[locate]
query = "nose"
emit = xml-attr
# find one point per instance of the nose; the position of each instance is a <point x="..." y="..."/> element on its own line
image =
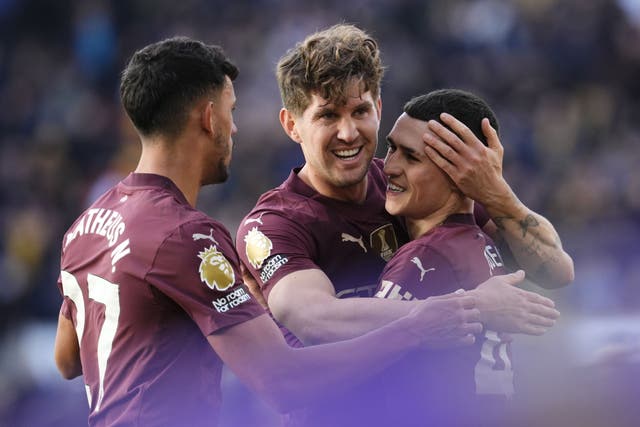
<point x="234" y="129"/>
<point x="347" y="130"/>
<point x="390" y="165"/>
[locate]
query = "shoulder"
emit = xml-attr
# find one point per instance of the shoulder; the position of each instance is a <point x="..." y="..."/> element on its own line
<point x="435" y="246"/>
<point x="291" y="203"/>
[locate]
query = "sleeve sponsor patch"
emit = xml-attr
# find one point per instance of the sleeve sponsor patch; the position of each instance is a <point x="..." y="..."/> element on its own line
<point x="215" y="270"/>
<point x="231" y="300"/>
<point x="258" y="247"/>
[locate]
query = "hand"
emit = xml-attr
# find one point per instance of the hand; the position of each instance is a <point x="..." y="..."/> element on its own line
<point x="506" y="308"/>
<point x="447" y="321"/>
<point x="475" y="168"/>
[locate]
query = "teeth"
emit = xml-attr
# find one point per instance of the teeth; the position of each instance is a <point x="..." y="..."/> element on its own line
<point x="394" y="188"/>
<point x="347" y="153"/>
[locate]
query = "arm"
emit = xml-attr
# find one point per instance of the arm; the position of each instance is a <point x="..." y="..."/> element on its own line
<point x="67" y="349"/>
<point x="505" y="308"/>
<point x="305" y="302"/>
<point x="477" y="171"/>
<point x="287" y="378"/>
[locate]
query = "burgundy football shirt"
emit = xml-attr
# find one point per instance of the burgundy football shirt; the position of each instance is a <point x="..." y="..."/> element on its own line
<point x="293" y="228"/>
<point x="455" y="255"/>
<point x="146" y="278"/>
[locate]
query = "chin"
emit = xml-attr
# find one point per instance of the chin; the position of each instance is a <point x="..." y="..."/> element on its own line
<point x="393" y="210"/>
<point x="350" y="179"/>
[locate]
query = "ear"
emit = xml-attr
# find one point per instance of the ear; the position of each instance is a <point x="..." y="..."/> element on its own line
<point x="288" y="122"/>
<point x="206" y="117"/>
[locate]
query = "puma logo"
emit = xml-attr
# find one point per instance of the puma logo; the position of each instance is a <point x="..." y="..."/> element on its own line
<point x="349" y="238"/>
<point x="418" y="263"/>
<point x="258" y="220"/>
<point x="199" y="236"/>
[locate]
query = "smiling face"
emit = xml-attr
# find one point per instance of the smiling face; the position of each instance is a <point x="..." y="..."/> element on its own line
<point x="338" y="141"/>
<point x="416" y="187"/>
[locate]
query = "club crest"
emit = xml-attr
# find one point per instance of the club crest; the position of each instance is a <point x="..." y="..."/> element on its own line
<point x="215" y="271"/>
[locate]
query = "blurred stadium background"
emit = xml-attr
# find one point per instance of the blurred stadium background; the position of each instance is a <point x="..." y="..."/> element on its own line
<point x="562" y="76"/>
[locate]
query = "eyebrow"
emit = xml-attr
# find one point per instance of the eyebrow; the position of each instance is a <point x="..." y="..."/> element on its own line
<point x="322" y="110"/>
<point x="330" y="107"/>
<point x="404" y="148"/>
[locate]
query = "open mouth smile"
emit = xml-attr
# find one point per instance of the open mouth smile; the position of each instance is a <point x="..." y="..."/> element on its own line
<point x="347" y="154"/>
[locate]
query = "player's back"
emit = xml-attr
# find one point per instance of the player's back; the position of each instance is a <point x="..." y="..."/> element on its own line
<point x="145" y="362"/>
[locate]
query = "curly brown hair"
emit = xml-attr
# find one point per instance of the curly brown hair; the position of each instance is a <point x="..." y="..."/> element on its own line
<point x="326" y="63"/>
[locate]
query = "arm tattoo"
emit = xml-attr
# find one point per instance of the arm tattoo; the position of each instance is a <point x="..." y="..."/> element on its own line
<point x="500" y="220"/>
<point x="528" y="221"/>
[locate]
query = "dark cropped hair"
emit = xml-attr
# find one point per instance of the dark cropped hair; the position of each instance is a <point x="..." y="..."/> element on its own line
<point x="464" y="106"/>
<point x="326" y="63"/>
<point x="162" y="80"/>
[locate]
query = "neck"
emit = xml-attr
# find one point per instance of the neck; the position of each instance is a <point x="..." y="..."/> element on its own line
<point x="456" y="204"/>
<point x="355" y="193"/>
<point x="167" y="159"/>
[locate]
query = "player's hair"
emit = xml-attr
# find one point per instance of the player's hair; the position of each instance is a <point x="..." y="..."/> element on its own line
<point x="326" y="63"/>
<point x="464" y="106"/>
<point x="163" y="79"/>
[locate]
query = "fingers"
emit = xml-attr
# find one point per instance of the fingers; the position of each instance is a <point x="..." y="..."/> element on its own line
<point x="505" y="337"/>
<point x="534" y="330"/>
<point x="463" y="136"/>
<point x="468" y="331"/>
<point x="546" y="322"/>
<point x="440" y="153"/>
<point x="514" y="278"/>
<point x="445" y="137"/>
<point x="466" y="301"/>
<point x="474" y="328"/>
<point x="539" y="299"/>
<point x="492" y="136"/>
<point x="453" y="320"/>
<point x="548" y="312"/>
<point x="464" y="341"/>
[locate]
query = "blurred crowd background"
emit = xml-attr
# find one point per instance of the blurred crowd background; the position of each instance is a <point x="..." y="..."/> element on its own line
<point x="562" y="76"/>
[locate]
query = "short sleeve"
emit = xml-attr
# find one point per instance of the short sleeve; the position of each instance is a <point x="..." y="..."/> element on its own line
<point x="272" y="246"/>
<point x="197" y="267"/>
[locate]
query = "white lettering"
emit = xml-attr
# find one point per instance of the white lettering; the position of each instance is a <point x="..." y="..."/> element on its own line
<point x="118" y="230"/>
<point x="103" y="222"/>
<point x="77" y="231"/>
<point x="272" y="266"/>
<point x="89" y="216"/>
<point x="390" y="290"/>
<point x="493" y="257"/>
<point x="231" y="300"/>
<point x="107" y="224"/>
<point x="99" y="220"/>
<point x="121" y="250"/>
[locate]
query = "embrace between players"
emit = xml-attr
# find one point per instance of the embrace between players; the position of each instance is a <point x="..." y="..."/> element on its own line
<point x="396" y="316"/>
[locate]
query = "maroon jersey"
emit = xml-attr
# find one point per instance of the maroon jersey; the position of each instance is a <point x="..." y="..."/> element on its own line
<point x="146" y="278"/>
<point x="455" y="255"/>
<point x="293" y="228"/>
